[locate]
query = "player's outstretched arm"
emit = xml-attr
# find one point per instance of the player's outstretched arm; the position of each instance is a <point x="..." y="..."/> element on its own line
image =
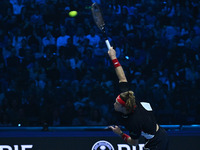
<point x="118" y="68"/>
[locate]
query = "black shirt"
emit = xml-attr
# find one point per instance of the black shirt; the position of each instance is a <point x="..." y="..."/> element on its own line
<point x="141" y="121"/>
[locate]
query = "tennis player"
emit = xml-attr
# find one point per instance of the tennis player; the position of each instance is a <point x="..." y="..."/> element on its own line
<point x="137" y="117"/>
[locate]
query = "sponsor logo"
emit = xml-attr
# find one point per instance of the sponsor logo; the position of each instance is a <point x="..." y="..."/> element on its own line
<point x="128" y="147"/>
<point x="102" y="145"/>
<point x="16" y="147"/>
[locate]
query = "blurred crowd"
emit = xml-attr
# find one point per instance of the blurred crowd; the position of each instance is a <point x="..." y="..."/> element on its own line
<point x="54" y="68"/>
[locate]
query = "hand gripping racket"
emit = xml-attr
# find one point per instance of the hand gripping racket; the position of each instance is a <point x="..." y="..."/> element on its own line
<point x="98" y="19"/>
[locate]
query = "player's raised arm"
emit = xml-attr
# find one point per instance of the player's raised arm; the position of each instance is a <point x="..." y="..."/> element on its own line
<point x="118" y="68"/>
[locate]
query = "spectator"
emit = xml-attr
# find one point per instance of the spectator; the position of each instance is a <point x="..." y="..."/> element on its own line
<point x="96" y="118"/>
<point x="93" y="38"/>
<point x="62" y="39"/>
<point x="13" y="63"/>
<point x="79" y="37"/>
<point x="49" y="39"/>
<point x="80" y="119"/>
<point x="193" y="40"/>
<point x="17" y="6"/>
<point x="71" y="50"/>
<point x="35" y="41"/>
<point x="197" y="27"/>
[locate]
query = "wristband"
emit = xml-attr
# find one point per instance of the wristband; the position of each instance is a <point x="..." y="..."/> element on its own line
<point x="125" y="137"/>
<point x="116" y="63"/>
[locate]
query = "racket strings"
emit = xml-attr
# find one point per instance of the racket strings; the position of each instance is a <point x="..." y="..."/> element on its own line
<point x="97" y="16"/>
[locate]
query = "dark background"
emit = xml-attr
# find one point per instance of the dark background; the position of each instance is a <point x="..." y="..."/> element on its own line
<point x="45" y="81"/>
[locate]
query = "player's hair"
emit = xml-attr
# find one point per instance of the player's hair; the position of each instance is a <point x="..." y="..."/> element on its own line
<point x="129" y="98"/>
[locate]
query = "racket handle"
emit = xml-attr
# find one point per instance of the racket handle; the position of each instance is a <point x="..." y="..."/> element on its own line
<point x="108" y="44"/>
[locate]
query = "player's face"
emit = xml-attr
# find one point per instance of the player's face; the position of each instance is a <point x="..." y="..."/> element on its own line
<point x="118" y="106"/>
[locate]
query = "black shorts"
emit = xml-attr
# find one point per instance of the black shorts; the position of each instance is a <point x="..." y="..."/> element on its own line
<point x="159" y="142"/>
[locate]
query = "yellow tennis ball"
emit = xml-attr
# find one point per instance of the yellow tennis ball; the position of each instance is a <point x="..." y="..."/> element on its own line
<point x="73" y="13"/>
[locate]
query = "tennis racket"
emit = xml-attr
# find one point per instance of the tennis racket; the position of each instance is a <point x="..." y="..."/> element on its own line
<point x="98" y="19"/>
